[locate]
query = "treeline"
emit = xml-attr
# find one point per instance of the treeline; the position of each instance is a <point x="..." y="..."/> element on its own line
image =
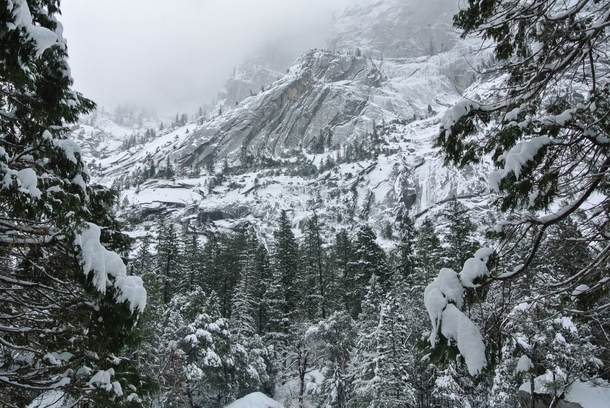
<point x="235" y="315"/>
<point x="342" y="323"/>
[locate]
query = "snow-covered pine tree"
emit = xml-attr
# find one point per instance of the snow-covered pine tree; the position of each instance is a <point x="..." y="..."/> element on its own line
<point x="284" y="295"/>
<point x="168" y="259"/>
<point x="252" y="357"/>
<point x="211" y="267"/>
<point x="336" y="338"/>
<point x="233" y="253"/>
<point x="365" y="359"/>
<point x="315" y="271"/>
<point x="286" y="275"/>
<point x="428" y="247"/>
<point x="369" y="260"/>
<point x="263" y="281"/>
<point x="459" y="243"/>
<point x="405" y="250"/>
<point x="342" y="256"/>
<point x="192" y="261"/>
<point x="546" y="131"/>
<point x="383" y="358"/>
<point x="64" y="310"/>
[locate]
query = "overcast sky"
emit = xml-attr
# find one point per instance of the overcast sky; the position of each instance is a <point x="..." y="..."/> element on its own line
<point x="174" y="56"/>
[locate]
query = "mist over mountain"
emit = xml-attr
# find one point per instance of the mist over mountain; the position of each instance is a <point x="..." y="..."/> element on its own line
<point x="328" y="102"/>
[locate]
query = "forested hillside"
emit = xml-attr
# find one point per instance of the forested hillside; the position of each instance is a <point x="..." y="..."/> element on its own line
<point x="415" y="216"/>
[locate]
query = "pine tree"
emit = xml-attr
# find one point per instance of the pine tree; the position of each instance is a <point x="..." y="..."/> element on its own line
<point x="262" y="284"/>
<point x="428" y="246"/>
<point x="384" y="356"/>
<point x="58" y="304"/>
<point x="168" y="260"/>
<point x="365" y="360"/>
<point x="192" y="262"/>
<point x="459" y="244"/>
<point x="544" y="130"/>
<point x="406" y="249"/>
<point x="337" y="338"/>
<point x="285" y="264"/>
<point x="369" y="260"/>
<point x="315" y="271"/>
<point x="283" y="297"/>
<point x="342" y="255"/>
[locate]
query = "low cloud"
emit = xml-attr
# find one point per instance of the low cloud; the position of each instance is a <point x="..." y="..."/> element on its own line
<point x="175" y="56"/>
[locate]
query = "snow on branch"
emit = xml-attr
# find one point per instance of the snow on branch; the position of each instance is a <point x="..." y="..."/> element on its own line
<point x="43" y="37"/>
<point x="475" y="267"/>
<point x="455" y="113"/>
<point x="516" y="158"/>
<point x="443" y="299"/>
<point x="104" y="264"/>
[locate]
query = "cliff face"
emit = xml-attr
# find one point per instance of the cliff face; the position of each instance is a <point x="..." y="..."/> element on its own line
<point x="341" y="95"/>
<point x="304" y="139"/>
<point x="396" y="28"/>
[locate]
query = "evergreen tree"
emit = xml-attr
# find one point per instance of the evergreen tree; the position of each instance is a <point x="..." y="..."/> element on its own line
<point x="211" y="265"/>
<point x="283" y="297"/>
<point x="168" y="260"/>
<point x="384" y="356"/>
<point x="459" y="244"/>
<point x="58" y="305"/>
<point x="192" y="262"/>
<point x="285" y="264"/>
<point x="343" y="257"/>
<point x="315" y="271"/>
<point x="406" y="249"/>
<point x="428" y="246"/>
<point x="262" y="284"/>
<point x="233" y="253"/>
<point x="336" y="338"/>
<point x="554" y="81"/>
<point x="369" y="260"/>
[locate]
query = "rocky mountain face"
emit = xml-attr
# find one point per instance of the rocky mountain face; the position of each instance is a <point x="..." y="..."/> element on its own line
<point x="347" y="132"/>
<point x="396" y="28"/>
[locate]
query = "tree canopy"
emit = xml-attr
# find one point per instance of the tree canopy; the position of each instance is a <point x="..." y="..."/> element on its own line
<point x="68" y="307"/>
<point x="546" y="127"/>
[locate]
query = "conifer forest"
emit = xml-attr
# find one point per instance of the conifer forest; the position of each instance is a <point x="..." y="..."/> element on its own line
<point x="415" y="215"/>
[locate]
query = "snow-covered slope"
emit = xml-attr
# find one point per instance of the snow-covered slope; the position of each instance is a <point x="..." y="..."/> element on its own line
<point x="255" y="154"/>
<point x="255" y="400"/>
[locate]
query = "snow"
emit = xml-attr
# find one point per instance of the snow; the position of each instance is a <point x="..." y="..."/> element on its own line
<point x="69" y="147"/>
<point x="580" y="289"/>
<point x="101" y="379"/>
<point x="27" y="180"/>
<point x="43" y="37"/>
<point x="560" y="119"/>
<point x="104" y="264"/>
<point x="512" y="115"/>
<point x="51" y="399"/>
<point x="567" y="323"/>
<point x="164" y="195"/>
<point x="524" y="364"/>
<point x="516" y="158"/>
<point x="587" y="394"/>
<point x="475" y="267"/>
<point x="443" y="298"/>
<point x="455" y="113"/>
<point x="457" y="326"/>
<point x="255" y="400"/>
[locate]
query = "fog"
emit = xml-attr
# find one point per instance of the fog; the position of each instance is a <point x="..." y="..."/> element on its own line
<point x="174" y="56"/>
